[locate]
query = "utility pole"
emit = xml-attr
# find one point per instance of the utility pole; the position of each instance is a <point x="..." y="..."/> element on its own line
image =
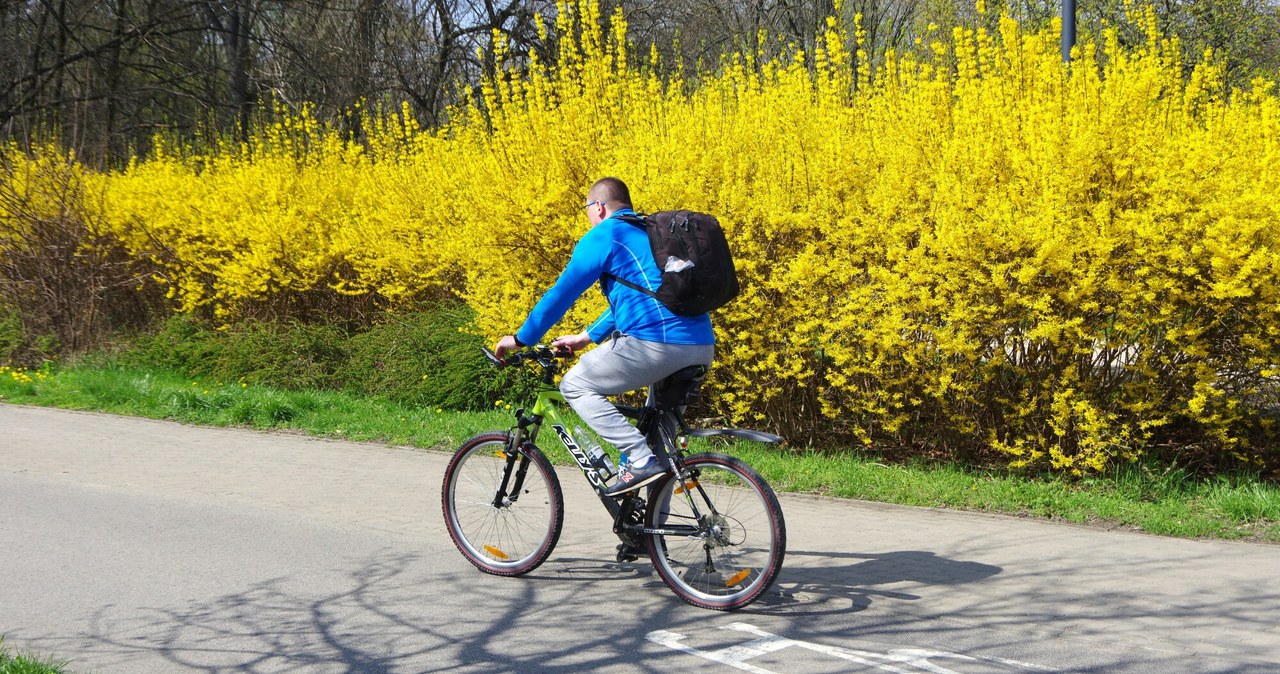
<point x="1068" y="29"/>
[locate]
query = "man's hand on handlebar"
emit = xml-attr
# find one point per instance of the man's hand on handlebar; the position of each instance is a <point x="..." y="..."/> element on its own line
<point x="505" y="345"/>
<point x="564" y="345"/>
<point x="576" y="342"/>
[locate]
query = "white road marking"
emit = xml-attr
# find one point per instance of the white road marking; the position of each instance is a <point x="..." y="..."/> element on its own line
<point x="766" y="642"/>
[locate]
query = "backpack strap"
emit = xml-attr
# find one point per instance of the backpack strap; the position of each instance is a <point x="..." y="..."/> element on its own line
<point x="633" y="286"/>
<point x="641" y="222"/>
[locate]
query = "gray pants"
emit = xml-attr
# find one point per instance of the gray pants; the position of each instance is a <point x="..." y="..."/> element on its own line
<point x="617" y="366"/>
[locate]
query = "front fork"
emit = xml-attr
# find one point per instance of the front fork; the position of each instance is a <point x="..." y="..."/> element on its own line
<point x="517" y="464"/>
<point x="508" y="490"/>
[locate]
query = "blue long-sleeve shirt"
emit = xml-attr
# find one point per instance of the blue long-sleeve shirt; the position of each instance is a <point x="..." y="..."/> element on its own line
<point x="620" y="249"/>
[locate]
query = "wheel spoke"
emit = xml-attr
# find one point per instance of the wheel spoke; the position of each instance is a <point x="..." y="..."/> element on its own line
<point x="739" y="543"/>
<point x="510" y="538"/>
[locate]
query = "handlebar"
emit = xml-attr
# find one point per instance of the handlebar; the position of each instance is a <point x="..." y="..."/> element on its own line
<point x="540" y="354"/>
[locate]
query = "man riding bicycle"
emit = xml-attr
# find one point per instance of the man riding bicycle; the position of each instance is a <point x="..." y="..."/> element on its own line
<point x="641" y="340"/>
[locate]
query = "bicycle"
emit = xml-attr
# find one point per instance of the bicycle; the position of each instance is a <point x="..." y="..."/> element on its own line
<point x="712" y="526"/>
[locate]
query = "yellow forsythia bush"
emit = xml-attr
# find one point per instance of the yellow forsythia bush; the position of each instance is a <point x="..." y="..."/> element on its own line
<point x="973" y="246"/>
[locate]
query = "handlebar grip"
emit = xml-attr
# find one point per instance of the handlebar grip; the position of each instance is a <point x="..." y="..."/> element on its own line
<point x="493" y="358"/>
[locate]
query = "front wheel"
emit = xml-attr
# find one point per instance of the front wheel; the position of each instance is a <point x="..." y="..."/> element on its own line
<point x="724" y="536"/>
<point x="503" y="509"/>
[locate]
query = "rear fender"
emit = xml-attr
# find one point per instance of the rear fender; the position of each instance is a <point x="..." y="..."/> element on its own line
<point x="737" y="433"/>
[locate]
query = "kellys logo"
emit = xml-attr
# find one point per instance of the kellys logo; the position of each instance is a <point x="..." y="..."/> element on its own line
<point x="578" y="455"/>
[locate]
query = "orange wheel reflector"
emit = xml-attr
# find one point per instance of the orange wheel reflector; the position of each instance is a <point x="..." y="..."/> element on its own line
<point x="690" y="485"/>
<point x="502" y="555"/>
<point x="737" y="578"/>
<point x="500" y="454"/>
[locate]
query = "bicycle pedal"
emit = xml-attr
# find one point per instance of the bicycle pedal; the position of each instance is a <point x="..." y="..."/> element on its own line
<point x="630" y="553"/>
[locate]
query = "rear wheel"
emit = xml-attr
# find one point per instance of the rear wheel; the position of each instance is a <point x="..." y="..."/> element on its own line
<point x="503" y="511"/>
<point x="726" y="536"/>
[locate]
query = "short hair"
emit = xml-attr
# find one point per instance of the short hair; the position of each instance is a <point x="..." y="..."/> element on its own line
<point x="612" y="191"/>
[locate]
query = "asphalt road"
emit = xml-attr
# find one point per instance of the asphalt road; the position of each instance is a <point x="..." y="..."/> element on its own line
<point x="134" y="546"/>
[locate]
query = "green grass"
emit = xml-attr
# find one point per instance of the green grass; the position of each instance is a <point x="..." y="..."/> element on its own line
<point x="167" y="395"/>
<point x="1167" y="503"/>
<point x="1159" y="501"/>
<point x="19" y="663"/>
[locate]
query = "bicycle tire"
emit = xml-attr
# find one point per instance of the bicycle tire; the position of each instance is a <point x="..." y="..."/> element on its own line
<point x="742" y="538"/>
<point x="515" y="537"/>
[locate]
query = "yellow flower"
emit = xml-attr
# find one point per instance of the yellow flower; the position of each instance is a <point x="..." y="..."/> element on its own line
<point x="966" y="233"/>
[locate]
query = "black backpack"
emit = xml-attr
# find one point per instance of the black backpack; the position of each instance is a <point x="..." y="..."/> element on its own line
<point x="693" y="254"/>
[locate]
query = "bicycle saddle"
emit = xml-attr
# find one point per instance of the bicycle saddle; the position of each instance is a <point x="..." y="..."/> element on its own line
<point x="679" y="388"/>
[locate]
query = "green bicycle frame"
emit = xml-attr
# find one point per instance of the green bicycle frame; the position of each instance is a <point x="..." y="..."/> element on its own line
<point x="547" y="408"/>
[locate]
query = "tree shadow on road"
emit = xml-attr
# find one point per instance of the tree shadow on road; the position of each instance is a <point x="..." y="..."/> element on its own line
<point x="810" y="582"/>
<point x="833" y="582"/>
<point x="397" y="612"/>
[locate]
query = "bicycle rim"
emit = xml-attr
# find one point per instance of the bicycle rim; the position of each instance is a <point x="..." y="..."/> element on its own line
<point x="515" y="535"/>
<point x="738" y="536"/>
